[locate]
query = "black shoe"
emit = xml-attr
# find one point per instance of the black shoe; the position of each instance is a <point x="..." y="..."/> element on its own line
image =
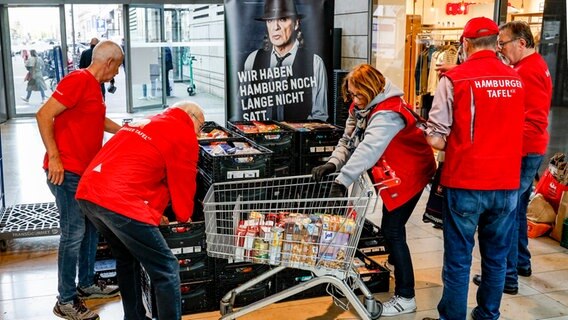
<point x="508" y="290"/>
<point x="524" y="273"/>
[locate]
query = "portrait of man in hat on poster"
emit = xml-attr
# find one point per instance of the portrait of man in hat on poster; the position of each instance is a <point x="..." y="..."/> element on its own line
<point x="283" y="79"/>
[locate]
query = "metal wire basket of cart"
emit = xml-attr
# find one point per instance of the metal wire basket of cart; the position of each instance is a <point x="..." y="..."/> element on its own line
<point x="290" y="222"/>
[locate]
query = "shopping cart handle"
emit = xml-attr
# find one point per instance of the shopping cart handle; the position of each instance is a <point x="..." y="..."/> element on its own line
<point x="387" y="183"/>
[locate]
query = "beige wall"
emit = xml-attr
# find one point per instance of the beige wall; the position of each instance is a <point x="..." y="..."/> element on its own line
<point x="353" y="18"/>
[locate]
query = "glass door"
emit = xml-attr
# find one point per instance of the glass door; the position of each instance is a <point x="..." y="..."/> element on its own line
<point x="180" y="70"/>
<point x="3" y="107"/>
<point x="145" y="66"/>
<point x="103" y="22"/>
<point x="37" y="57"/>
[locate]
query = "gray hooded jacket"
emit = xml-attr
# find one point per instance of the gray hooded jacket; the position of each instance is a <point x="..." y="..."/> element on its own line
<point x="382" y="127"/>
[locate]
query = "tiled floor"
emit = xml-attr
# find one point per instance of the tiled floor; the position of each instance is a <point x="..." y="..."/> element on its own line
<point x="28" y="281"/>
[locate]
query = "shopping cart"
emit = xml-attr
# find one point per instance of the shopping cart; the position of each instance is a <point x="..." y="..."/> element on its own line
<point x="290" y="222"/>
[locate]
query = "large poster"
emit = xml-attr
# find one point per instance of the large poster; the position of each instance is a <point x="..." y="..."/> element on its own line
<point x="278" y="59"/>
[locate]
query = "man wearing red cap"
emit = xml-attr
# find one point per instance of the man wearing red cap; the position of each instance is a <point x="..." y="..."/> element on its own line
<point x="477" y="119"/>
<point x="517" y="45"/>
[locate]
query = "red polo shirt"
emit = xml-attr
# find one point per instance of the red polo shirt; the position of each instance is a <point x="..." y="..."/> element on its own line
<point x="79" y="129"/>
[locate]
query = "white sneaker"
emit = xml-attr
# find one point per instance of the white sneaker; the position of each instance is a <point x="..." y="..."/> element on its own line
<point x="75" y="310"/>
<point x="398" y="305"/>
<point x="100" y="290"/>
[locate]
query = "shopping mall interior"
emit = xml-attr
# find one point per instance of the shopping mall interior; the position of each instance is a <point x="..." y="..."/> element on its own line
<point x="387" y="34"/>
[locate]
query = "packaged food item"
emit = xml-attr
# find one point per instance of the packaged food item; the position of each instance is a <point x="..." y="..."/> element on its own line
<point x="247" y="128"/>
<point x="287" y="242"/>
<point x="259" y="252"/>
<point x="275" y="248"/>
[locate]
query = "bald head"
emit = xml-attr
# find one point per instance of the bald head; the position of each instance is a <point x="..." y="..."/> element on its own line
<point x="194" y="111"/>
<point x="107" y="58"/>
<point x="106" y="50"/>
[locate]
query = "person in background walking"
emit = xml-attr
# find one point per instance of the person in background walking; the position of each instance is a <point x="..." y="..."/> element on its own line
<point x="34" y="77"/>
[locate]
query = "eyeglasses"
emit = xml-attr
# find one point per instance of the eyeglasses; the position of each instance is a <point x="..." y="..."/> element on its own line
<point x="501" y="44"/>
<point x="351" y="95"/>
<point x="201" y="123"/>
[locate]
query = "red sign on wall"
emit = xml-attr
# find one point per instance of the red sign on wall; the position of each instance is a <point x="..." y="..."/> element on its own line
<point x="456" y="8"/>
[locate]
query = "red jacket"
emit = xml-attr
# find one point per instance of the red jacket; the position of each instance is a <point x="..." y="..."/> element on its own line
<point x="408" y="154"/>
<point x="143" y="166"/>
<point x="538" y="86"/>
<point x="483" y="150"/>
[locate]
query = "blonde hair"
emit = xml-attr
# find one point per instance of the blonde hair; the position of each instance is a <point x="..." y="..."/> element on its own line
<point x="368" y="81"/>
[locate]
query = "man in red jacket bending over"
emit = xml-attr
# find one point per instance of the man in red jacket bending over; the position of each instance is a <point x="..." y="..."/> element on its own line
<point x="125" y="190"/>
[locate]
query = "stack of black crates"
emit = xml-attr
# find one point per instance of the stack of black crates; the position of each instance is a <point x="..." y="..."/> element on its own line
<point x="105" y="264"/>
<point x="230" y="167"/>
<point x="314" y="141"/>
<point x="294" y="149"/>
<point x="277" y="138"/>
<point x="196" y="269"/>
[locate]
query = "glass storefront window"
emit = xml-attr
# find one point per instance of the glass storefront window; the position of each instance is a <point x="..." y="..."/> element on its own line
<point x="104" y="22"/>
<point x="406" y="35"/>
<point x="37" y="59"/>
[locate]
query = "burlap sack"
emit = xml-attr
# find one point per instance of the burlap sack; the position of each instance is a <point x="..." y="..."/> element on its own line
<point x="562" y="214"/>
<point x="540" y="211"/>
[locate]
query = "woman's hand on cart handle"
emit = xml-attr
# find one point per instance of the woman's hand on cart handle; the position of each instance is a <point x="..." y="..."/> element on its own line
<point x="323" y="170"/>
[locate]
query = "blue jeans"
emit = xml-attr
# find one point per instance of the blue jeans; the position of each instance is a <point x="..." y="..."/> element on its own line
<point x="492" y="213"/>
<point x="134" y="243"/>
<point x="393" y="226"/>
<point x="78" y="241"/>
<point x="519" y="255"/>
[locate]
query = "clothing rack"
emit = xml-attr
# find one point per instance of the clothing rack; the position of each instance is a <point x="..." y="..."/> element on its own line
<point x="438" y="37"/>
<point x="433" y="46"/>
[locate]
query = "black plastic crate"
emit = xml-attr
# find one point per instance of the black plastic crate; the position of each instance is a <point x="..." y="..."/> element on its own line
<point x="284" y="165"/>
<point x="196" y="266"/>
<point x="237" y="273"/>
<point x="231" y="275"/>
<point x="103" y="251"/>
<point x="255" y="293"/>
<point x="209" y="127"/>
<point x="372" y="241"/>
<point x="305" y="163"/>
<point x="314" y="136"/>
<point x="280" y="142"/>
<point x="219" y="168"/>
<point x="185" y="238"/>
<point x="290" y="277"/>
<point x="198" y="296"/>
<point x="202" y="186"/>
<point x="375" y="276"/>
<point x="105" y="271"/>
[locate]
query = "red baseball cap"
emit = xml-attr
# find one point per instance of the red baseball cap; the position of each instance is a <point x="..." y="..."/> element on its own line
<point x="479" y="27"/>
